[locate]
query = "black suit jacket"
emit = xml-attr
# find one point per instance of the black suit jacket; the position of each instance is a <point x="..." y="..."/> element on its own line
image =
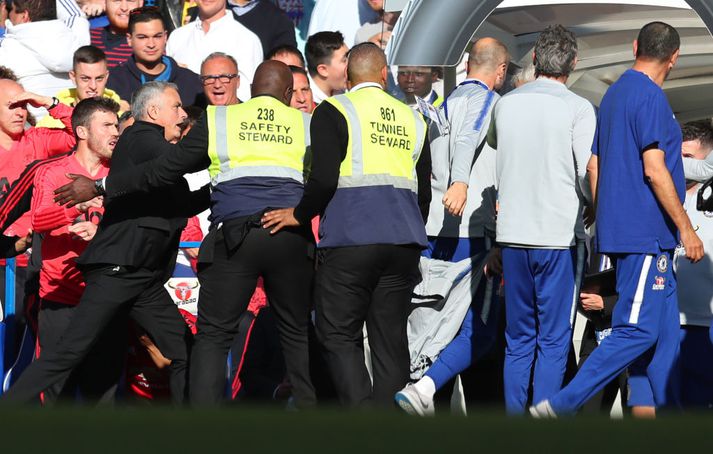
<point x="143" y="229"/>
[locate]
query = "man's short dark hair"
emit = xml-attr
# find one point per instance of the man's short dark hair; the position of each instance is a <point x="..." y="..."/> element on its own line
<point x="297" y="70"/>
<point x="85" y="108"/>
<point x="700" y="130"/>
<point x="145" y="14"/>
<point x="657" y="41"/>
<point x="7" y="74"/>
<point x="193" y="114"/>
<point x="88" y="55"/>
<point x="286" y="49"/>
<point x="320" y="47"/>
<point x="555" y="52"/>
<point x="39" y="10"/>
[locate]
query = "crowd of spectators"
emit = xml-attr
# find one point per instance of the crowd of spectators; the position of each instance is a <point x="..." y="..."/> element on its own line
<point x="58" y="55"/>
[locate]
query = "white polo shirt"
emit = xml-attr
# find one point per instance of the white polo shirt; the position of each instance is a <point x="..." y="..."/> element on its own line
<point x="695" y="280"/>
<point x="190" y="45"/>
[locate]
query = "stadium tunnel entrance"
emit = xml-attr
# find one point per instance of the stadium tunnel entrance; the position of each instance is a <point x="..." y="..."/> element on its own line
<point x="437" y="33"/>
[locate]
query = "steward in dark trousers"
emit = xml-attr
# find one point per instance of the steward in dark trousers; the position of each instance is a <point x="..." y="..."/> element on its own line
<point x="257" y="163"/>
<point x="131" y="256"/>
<point x="366" y="181"/>
<point x="255" y="154"/>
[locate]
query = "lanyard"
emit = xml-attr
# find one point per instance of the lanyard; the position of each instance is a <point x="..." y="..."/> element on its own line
<point x="465" y="82"/>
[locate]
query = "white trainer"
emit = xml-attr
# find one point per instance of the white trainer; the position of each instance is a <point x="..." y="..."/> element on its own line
<point x="543" y="410"/>
<point x="413" y="402"/>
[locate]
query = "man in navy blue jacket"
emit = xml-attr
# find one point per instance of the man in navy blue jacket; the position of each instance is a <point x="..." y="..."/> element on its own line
<point x="147" y="38"/>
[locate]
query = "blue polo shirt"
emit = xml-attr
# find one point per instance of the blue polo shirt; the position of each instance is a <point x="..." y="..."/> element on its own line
<point x="634" y="116"/>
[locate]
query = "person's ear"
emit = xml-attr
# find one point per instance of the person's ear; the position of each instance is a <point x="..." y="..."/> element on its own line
<point x="73" y="77"/>
<point x="152" y="111"/>
<point x="82" y="132"/>
<point x="635" y="47"/>
<point x="384" y="76"/>
<point x="323" y="71"/>
<point x="674" y="58"/>
<point x="128" y="39"/>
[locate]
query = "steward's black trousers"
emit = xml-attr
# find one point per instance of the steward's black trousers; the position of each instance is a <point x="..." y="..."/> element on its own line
<point x="373" y="285"/>
<point x="110" y="291"/>
<point x="228" y="275"/>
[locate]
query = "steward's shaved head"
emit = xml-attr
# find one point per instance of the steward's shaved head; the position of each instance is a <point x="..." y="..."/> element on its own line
<point x="365" y="63"/>
<point x="487" y="54"/>
<point x="273" y="78"/>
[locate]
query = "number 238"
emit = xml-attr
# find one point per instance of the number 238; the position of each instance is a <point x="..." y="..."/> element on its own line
<point x="266" y="114"/>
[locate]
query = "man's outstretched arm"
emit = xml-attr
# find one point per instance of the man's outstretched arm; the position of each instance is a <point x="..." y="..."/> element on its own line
<point x="189" y="155"/>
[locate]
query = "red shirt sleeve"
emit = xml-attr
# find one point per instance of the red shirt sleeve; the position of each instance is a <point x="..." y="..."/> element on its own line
<point x="46" y="214"/>
<point x="51" y="142"/>
<point x="192" y="231"/>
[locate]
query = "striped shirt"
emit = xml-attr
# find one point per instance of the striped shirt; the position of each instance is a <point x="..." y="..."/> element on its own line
<point x="115" y="47"/>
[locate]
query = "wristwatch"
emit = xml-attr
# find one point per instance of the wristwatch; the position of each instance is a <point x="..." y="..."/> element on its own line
<point x="55" y="103"/>
<point x="99" y="186"/>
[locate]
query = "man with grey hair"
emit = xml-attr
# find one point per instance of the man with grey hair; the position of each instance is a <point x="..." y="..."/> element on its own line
<point x="543" y="136"/>
<point x="130" y="257"/>
<point x="221" y="79"/>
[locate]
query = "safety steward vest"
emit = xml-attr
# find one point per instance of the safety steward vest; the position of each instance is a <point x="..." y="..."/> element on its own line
<point x="258" y="138"/>
<point x="257" y="153"/>
<point x="376" y="198"/>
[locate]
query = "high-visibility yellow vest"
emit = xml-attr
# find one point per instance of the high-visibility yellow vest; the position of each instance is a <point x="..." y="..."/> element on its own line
<point x="259" y="138"/>
<point x="376" y="198"/>
<point x="385" y="140"/>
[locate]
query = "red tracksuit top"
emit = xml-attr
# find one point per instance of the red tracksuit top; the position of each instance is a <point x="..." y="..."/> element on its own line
<point x="35" y="143"/>
<point x="60" y="280"/>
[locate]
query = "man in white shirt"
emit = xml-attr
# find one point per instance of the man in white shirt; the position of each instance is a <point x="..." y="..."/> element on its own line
<point x="39" y="48"/>
<point x="695" y="287"/>
<point x="326" y="62"/>
<point x="216" y="31"/>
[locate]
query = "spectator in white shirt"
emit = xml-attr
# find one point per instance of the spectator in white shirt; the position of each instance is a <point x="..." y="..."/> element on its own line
<point x="216" y="31"/>
<point x="39" y="48"/>
<point x="326" y="62"/>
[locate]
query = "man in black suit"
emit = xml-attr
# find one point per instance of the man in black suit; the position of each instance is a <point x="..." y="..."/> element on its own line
<point x="250" y="173"/>
<point x="131" y="256"/>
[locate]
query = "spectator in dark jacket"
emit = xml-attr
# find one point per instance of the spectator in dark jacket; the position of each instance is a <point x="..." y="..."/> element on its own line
<point x="147" y="38"/>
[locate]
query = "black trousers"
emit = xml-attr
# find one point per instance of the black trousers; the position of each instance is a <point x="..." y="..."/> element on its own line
<point x="97" y="376"/>
<point x="285" y="261"/>
<point x="373" y="285"/>
<point x="111" y="290"/>
<point x="603" y="401"/>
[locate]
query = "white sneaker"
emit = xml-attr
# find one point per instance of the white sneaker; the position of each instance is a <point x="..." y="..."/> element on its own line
<point x="543" y="410"/>
<point x="413" y="402"/>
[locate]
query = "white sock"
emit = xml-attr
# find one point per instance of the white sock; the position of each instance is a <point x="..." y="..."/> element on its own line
<point x="426" y="387"/>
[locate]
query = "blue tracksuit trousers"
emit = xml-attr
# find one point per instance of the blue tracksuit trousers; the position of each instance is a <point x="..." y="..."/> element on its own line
<point x="541" y="290"/>
<point x="645" y="335"/>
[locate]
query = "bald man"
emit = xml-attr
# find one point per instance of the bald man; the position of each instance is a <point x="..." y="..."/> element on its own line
<point x="255" y="153"/>
<point x="461" y="223"/>
<point x="370" y="177"/>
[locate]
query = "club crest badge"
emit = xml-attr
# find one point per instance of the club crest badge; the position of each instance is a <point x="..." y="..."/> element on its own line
<point x="662" y="264"/>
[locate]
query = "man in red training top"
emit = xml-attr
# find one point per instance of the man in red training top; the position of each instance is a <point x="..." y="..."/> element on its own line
<point x="19" y="147"/>
<point x="67" y="232"/>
